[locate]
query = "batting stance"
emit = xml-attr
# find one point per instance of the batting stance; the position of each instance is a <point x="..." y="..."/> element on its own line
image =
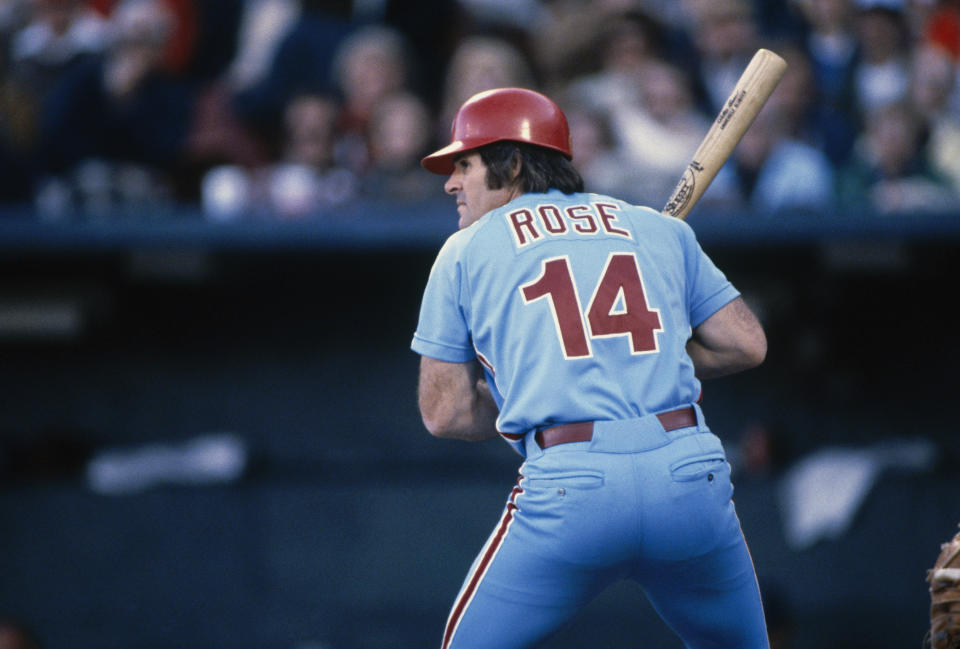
<point x="578" y="327"/>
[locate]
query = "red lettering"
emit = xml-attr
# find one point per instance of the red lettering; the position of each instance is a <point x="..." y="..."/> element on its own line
<point x="621" y="280"/>
<point x="523" y="220"/>
<point x="558" y="225"/>
<point x="608" y="218"/>
<point x="586" y="223"/>
<point x="556" y="284"/>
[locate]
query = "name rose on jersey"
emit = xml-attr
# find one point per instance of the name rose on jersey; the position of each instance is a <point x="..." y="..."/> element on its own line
<point x="547" y="220"/>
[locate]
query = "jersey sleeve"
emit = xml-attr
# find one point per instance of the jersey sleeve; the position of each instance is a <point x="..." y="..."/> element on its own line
<point x="442" y="331"/>
<point x="708" y="289"/>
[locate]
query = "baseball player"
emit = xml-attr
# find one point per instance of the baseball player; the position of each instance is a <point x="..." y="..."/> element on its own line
<point x="578" y="327"/>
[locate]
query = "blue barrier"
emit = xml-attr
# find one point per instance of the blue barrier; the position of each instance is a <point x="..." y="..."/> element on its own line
<point x="377" y="225"/>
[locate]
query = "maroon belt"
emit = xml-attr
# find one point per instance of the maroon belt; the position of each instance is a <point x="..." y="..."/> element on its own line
<point x="582" y="431"/>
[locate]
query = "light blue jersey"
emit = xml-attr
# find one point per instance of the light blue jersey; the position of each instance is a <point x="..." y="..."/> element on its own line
<point x="578" y="306"/>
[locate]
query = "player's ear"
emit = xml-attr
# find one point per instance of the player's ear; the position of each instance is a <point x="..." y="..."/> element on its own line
<point x="516" y="166"/>
<point x="517" y="179"/>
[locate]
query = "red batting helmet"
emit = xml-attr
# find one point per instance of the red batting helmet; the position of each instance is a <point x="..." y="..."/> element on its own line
<point x="515" y="114"/>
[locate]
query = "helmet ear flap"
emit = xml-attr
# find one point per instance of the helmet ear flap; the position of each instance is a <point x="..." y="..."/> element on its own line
<point x="516" y="114"/>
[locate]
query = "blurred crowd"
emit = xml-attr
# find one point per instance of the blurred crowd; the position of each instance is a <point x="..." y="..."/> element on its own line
<point x="287" y="109"/>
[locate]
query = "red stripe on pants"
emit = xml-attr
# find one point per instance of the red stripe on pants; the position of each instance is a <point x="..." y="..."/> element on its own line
<point x="460" y="606"/>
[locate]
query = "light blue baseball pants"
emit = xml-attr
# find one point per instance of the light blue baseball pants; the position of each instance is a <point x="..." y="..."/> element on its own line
<point x="635" y="502"/>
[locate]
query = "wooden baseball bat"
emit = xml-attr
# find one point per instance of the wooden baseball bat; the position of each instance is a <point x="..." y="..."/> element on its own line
<point x="751" y="92"/>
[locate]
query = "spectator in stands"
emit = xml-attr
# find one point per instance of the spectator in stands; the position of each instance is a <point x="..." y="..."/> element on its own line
<point x="369" y="65"/>
<point x="17" y="126"/>
<point x="304" y="182"/>
<point x="941" y="29"/>
<point x="502" y="17"/>
<point x="480" y="63"/>
<point x="942" y="26"/>
<point x="889" y="170"/>
<point x="824" y="82"/>
<point x="596" y="55"/>
<point x="831" y="44"/>
<point x="181" y="44"/>
<point x="262" y="27"/>
<point x="881" y="73"/>
<point x="933" y="84"/>
<point x="659" y="133"/>
<point x="47" y="38"/>
<point x="772" y="171"/>
<point x="300" y="61"/>
<point x="114" y="128"/>
<point x="400" y="133"/>
<point x="808" y="117"/>
<point x="219" y="134"/>
<point x="432" y="28"/>
<point x="57" y="34"/>
<point x="308" y="177"/>
<point x="725" y="37"/>
<point x="596" y="151"/>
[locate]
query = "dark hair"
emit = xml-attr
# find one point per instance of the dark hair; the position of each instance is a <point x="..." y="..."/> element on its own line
<point x="541" y="169"/>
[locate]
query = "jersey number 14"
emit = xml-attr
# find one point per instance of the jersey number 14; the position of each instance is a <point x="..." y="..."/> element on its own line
<point x="617" y="307"/>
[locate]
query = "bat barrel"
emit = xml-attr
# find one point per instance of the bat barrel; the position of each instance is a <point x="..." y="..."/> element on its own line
<point x="756" y="84"/>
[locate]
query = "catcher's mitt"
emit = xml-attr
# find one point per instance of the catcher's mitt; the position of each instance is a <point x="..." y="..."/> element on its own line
<point x="944" y="580"/>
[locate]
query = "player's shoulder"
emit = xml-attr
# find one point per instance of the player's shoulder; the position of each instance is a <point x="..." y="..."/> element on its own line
<point x="456" y="243"/>
<point x="462" y="242"/>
